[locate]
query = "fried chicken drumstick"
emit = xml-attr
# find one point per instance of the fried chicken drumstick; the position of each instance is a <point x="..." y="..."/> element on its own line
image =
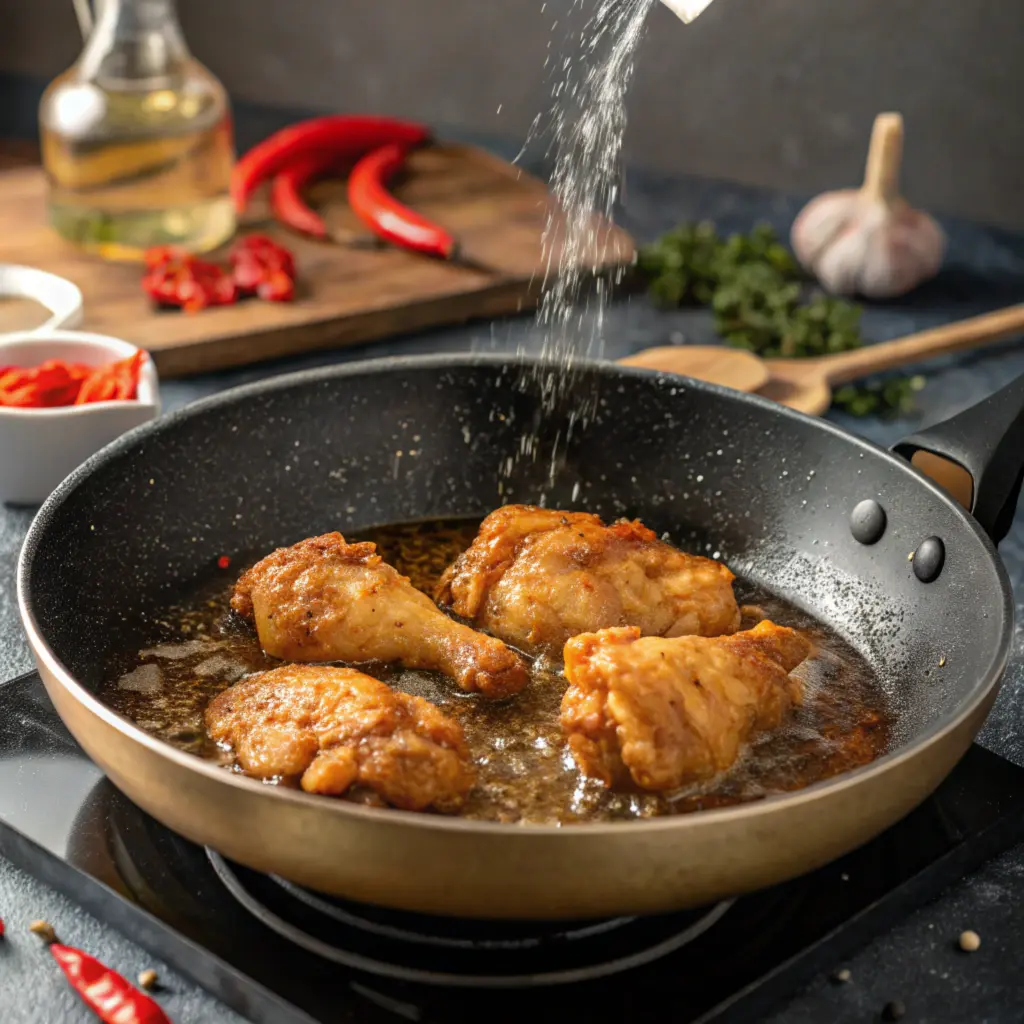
<point x="326" y="600"/>
<point x="334" y="728"/>
<point x="669" y="712"/>
<point x="536" y="577"/>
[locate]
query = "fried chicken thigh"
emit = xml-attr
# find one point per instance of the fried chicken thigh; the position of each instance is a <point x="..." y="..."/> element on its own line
<point x="536" y="577"/>
<point x="326" y="600"/>
<point x="334" y="729"/>
<point x="669" y="712"/>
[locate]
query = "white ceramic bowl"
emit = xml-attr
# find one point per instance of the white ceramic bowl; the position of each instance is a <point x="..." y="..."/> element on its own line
<point x="40" y="447"/>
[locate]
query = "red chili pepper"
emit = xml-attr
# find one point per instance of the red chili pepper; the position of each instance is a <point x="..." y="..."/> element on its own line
<point x="179" y="279"/>
<point x="286" y="200"/>
<point x="110" y="996"/>
<point x="343" y="135"/>
<point x="223" y="562"/>
<point x="2" y="928"/>
<point x="371" y="201"/>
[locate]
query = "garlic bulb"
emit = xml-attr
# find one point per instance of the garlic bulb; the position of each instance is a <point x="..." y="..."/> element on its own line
<point x="870" y="241"/>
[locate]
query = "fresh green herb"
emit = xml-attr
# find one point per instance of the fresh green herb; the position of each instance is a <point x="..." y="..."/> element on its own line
<point x="756" y="292"/>
<point x="893" y="395"/>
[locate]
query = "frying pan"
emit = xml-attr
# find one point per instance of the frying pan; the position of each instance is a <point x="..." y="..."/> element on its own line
<point x="770" y="491"/>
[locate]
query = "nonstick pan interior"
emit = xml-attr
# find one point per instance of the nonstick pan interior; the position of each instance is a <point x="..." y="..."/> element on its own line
<point x="726" y="475"/>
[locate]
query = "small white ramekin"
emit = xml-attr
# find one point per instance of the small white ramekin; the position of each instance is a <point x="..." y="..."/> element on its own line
<point x="40" y="447"/>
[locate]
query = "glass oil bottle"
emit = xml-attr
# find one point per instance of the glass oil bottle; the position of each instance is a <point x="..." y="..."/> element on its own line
<point x="137" y="139"/>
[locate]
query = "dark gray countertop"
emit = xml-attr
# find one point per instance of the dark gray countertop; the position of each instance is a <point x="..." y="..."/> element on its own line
<point x="917" y="961"/>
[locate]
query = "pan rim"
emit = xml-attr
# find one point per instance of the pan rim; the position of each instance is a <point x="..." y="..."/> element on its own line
<point x="989" y="681"/>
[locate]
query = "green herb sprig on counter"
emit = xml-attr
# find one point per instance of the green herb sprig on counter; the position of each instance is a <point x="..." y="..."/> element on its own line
<point x="757" y="295"/>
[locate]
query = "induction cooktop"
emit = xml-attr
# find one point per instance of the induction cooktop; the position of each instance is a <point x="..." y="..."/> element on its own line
<point x="281" y="954"/>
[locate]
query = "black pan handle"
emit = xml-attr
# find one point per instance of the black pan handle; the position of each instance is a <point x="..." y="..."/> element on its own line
<point x="986" y="440"/>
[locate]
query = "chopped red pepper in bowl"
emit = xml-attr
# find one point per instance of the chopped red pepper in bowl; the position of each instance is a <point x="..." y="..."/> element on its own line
<point x="55" y="383"/>
<point x="64" y="395"/>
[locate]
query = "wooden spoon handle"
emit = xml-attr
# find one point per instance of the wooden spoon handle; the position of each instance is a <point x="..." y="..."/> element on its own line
<point x="956" y="337"/>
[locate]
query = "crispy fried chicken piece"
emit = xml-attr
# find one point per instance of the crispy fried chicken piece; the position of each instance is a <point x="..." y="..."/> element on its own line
<point x="326" y="600"/>
<point x="669" y="712"/>
<point x="536" y="577"/>
<point x="334" y="728"/>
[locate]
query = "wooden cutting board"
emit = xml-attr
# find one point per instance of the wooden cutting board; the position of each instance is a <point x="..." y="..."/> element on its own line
<point x="347" y="295"/>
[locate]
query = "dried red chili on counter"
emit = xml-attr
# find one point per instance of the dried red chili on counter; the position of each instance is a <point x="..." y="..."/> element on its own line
<point x="56" y="383"/>
<point x="262" y="267"/>
<point x="109" y="995"/>
<point x="175" y="278"/>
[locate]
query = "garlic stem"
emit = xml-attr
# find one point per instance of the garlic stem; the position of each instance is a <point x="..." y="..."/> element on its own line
<point x="882" y="178"/>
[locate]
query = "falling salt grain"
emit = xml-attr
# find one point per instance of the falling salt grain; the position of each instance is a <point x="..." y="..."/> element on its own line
<point x="841" y="977"/>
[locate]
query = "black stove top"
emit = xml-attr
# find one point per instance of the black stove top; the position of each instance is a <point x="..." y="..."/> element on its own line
<point x="278" y="953"/>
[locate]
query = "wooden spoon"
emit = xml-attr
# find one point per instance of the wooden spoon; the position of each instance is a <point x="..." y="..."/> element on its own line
<point x="806" y="384"/>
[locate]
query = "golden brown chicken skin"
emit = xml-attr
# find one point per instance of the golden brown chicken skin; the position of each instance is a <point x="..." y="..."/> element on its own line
<point x="326" y="600"/>
<point x="670" y="712"/>
<point x="335" y="728"/>
<point x="536" y="577"/>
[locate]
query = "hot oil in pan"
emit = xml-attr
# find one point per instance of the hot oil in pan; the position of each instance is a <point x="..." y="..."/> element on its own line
<point x="524" y="770"/>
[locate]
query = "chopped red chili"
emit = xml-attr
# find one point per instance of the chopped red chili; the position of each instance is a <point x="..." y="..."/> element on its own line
<point x="118" y="381"/>
<point x="109" y="995"/>
<point x="223" y="562"/>
<point x="57" y="383"/>
<point x="178" y="279"/>
<point x="264" y="268"/>
<point x="52" y="383"/>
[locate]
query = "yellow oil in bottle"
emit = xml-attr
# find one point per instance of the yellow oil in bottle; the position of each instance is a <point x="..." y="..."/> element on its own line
<point x="137" y="140"/>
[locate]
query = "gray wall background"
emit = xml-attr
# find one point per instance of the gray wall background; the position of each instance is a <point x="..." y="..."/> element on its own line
<point x="769" y="92"/>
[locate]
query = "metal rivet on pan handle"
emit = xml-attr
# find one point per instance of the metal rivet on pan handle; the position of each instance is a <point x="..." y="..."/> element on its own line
<point x="867" y="522"/>
<point x="929" y="559"/>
